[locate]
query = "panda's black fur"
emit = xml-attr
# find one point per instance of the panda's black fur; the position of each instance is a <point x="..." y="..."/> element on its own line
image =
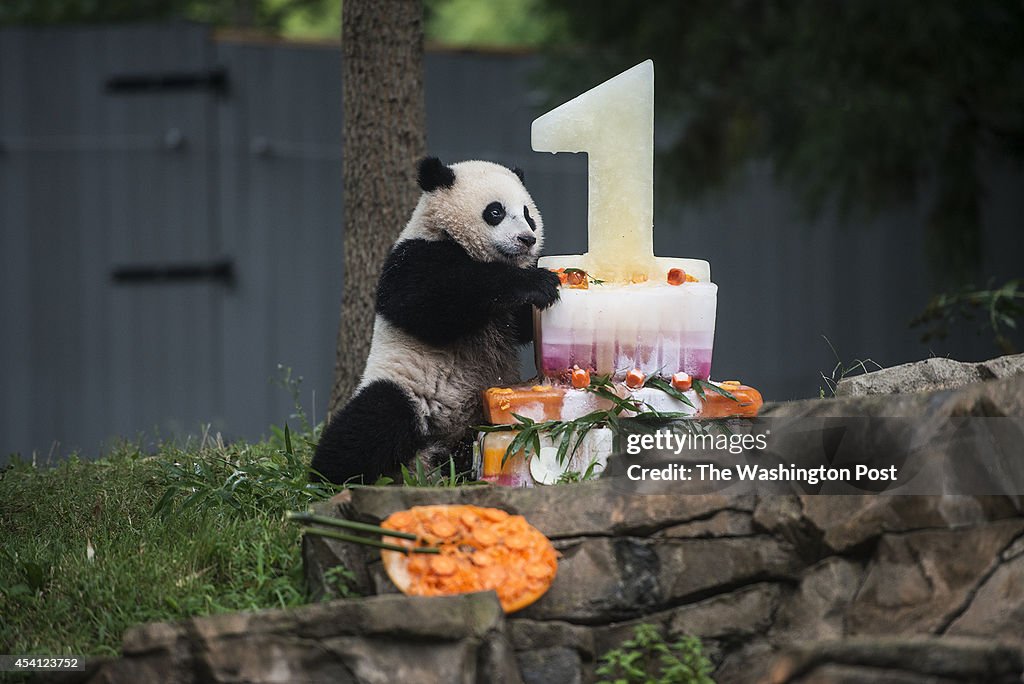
<point x="454" y="303"/>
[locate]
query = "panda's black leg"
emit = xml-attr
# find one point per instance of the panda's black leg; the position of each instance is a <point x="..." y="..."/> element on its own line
<point x="376" y="431"/>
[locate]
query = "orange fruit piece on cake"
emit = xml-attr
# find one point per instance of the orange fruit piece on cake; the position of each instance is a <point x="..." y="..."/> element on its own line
<point x="746" y="403"/>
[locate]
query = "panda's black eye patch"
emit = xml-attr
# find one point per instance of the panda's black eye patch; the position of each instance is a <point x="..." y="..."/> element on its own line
<point x="529" y="219"/>
<point x="494" y="213"/>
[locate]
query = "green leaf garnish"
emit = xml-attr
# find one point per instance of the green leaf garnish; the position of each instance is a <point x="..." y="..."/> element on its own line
<point x="563" y="432"/>
<point x="592" y="279"/>
<point x="700" y="385"/>
<point x="659" y="383"/>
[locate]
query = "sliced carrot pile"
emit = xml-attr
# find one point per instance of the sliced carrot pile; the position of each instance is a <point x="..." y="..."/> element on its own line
<point x="481" y="549"/>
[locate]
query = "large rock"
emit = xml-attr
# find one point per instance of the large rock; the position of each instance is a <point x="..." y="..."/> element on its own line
<point x="915" y="660"/>
<point x="996" y="608"/>
<point x="378" y="639"/>
<point x="929" y="375"/>
<point x="848" y="522"/>
<point x="919" y="581"/>
<point x="744" y="614"/>
<point x="610" y="579"/>
<point x="552" y="650"/>
<point x="994" y="398"/>
<point x="819" y="606"/>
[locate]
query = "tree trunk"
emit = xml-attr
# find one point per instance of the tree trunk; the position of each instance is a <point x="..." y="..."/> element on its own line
<point x="382" y="89"/>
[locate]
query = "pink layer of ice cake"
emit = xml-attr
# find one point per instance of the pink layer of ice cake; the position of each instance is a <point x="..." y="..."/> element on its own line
<point x="658" y="328"/>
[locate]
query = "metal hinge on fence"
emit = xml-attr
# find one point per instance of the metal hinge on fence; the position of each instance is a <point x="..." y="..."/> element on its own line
<point x="215" y="80"/>
<point x="222" y="271"/>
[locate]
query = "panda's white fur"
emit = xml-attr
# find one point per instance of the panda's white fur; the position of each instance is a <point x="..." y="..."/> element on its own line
<point x="457" y="211"/>
<point x="450" y="319"/>
<point x="443" y="384"/>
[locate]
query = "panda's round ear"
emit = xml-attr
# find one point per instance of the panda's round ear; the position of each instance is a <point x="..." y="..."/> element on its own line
<point x="519" y="172"/>
<point x="433" y="174"/>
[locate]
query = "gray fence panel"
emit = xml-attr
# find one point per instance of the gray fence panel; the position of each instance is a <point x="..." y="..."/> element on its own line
<point x="163" y="362"/>
<point x="16" y="341"/>
<point x="94" y="187"/>
<point x="281" y="214"/>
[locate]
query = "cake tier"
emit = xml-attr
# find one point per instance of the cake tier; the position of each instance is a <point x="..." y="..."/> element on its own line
<point x="612" y="329"/>
<point x="518" y="470"/>
<point x="547" y="402"/>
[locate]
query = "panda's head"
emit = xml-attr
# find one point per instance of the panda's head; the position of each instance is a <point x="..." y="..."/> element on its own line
<point x="484" y="207"/>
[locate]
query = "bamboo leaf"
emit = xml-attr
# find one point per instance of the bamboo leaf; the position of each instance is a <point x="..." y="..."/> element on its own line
<point x="581" y="437"/>
<point x="659" y="383"/>
<point x="563" y="445"/>
<point x="516" y="445"/>
<point x="493" y="428"/>
<point x="714" y="388"/>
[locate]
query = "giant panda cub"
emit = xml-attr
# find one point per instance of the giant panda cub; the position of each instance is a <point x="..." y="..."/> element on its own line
<point x="454" y="304"/>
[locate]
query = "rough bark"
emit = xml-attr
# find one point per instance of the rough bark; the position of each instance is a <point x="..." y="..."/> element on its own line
<point x="382" y="88"/>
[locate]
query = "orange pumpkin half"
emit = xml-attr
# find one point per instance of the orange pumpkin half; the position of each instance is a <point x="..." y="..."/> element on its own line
<point x="481" y="549"/>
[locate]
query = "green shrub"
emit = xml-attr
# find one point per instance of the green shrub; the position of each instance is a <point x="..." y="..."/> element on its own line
<point x="648" y="659"/>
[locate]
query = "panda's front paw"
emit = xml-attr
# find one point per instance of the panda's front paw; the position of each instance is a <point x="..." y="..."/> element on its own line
<point x="541" y="287"/>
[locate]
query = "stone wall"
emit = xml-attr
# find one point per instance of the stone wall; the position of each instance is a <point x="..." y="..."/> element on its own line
<point x="784" y="588"/>
<point x="752" y="577"/>
<point x="380" y="639"/>
<point x="930" y="375"/>
<point x="795" y="588"/>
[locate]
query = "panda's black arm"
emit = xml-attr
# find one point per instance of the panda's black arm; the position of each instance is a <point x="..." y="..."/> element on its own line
<point x="434" y="291"/>
<point x="524" y="324"/>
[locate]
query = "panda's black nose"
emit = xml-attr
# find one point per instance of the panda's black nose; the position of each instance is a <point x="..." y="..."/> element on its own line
<point x="527" y="239"/>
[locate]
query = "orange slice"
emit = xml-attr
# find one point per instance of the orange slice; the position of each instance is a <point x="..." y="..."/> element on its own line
<point x="746" y="404"/>
<point x="540" y="402"/>
<point x="481" y="549"/>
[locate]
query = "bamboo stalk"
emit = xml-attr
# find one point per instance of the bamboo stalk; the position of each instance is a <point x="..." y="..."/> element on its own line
<point x="303" y="517"/>
<point x="367" y="541"/>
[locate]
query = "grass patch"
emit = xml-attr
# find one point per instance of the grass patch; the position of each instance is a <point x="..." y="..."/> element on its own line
<point x="93" y="547"/>
<point x="841" y="370"/>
